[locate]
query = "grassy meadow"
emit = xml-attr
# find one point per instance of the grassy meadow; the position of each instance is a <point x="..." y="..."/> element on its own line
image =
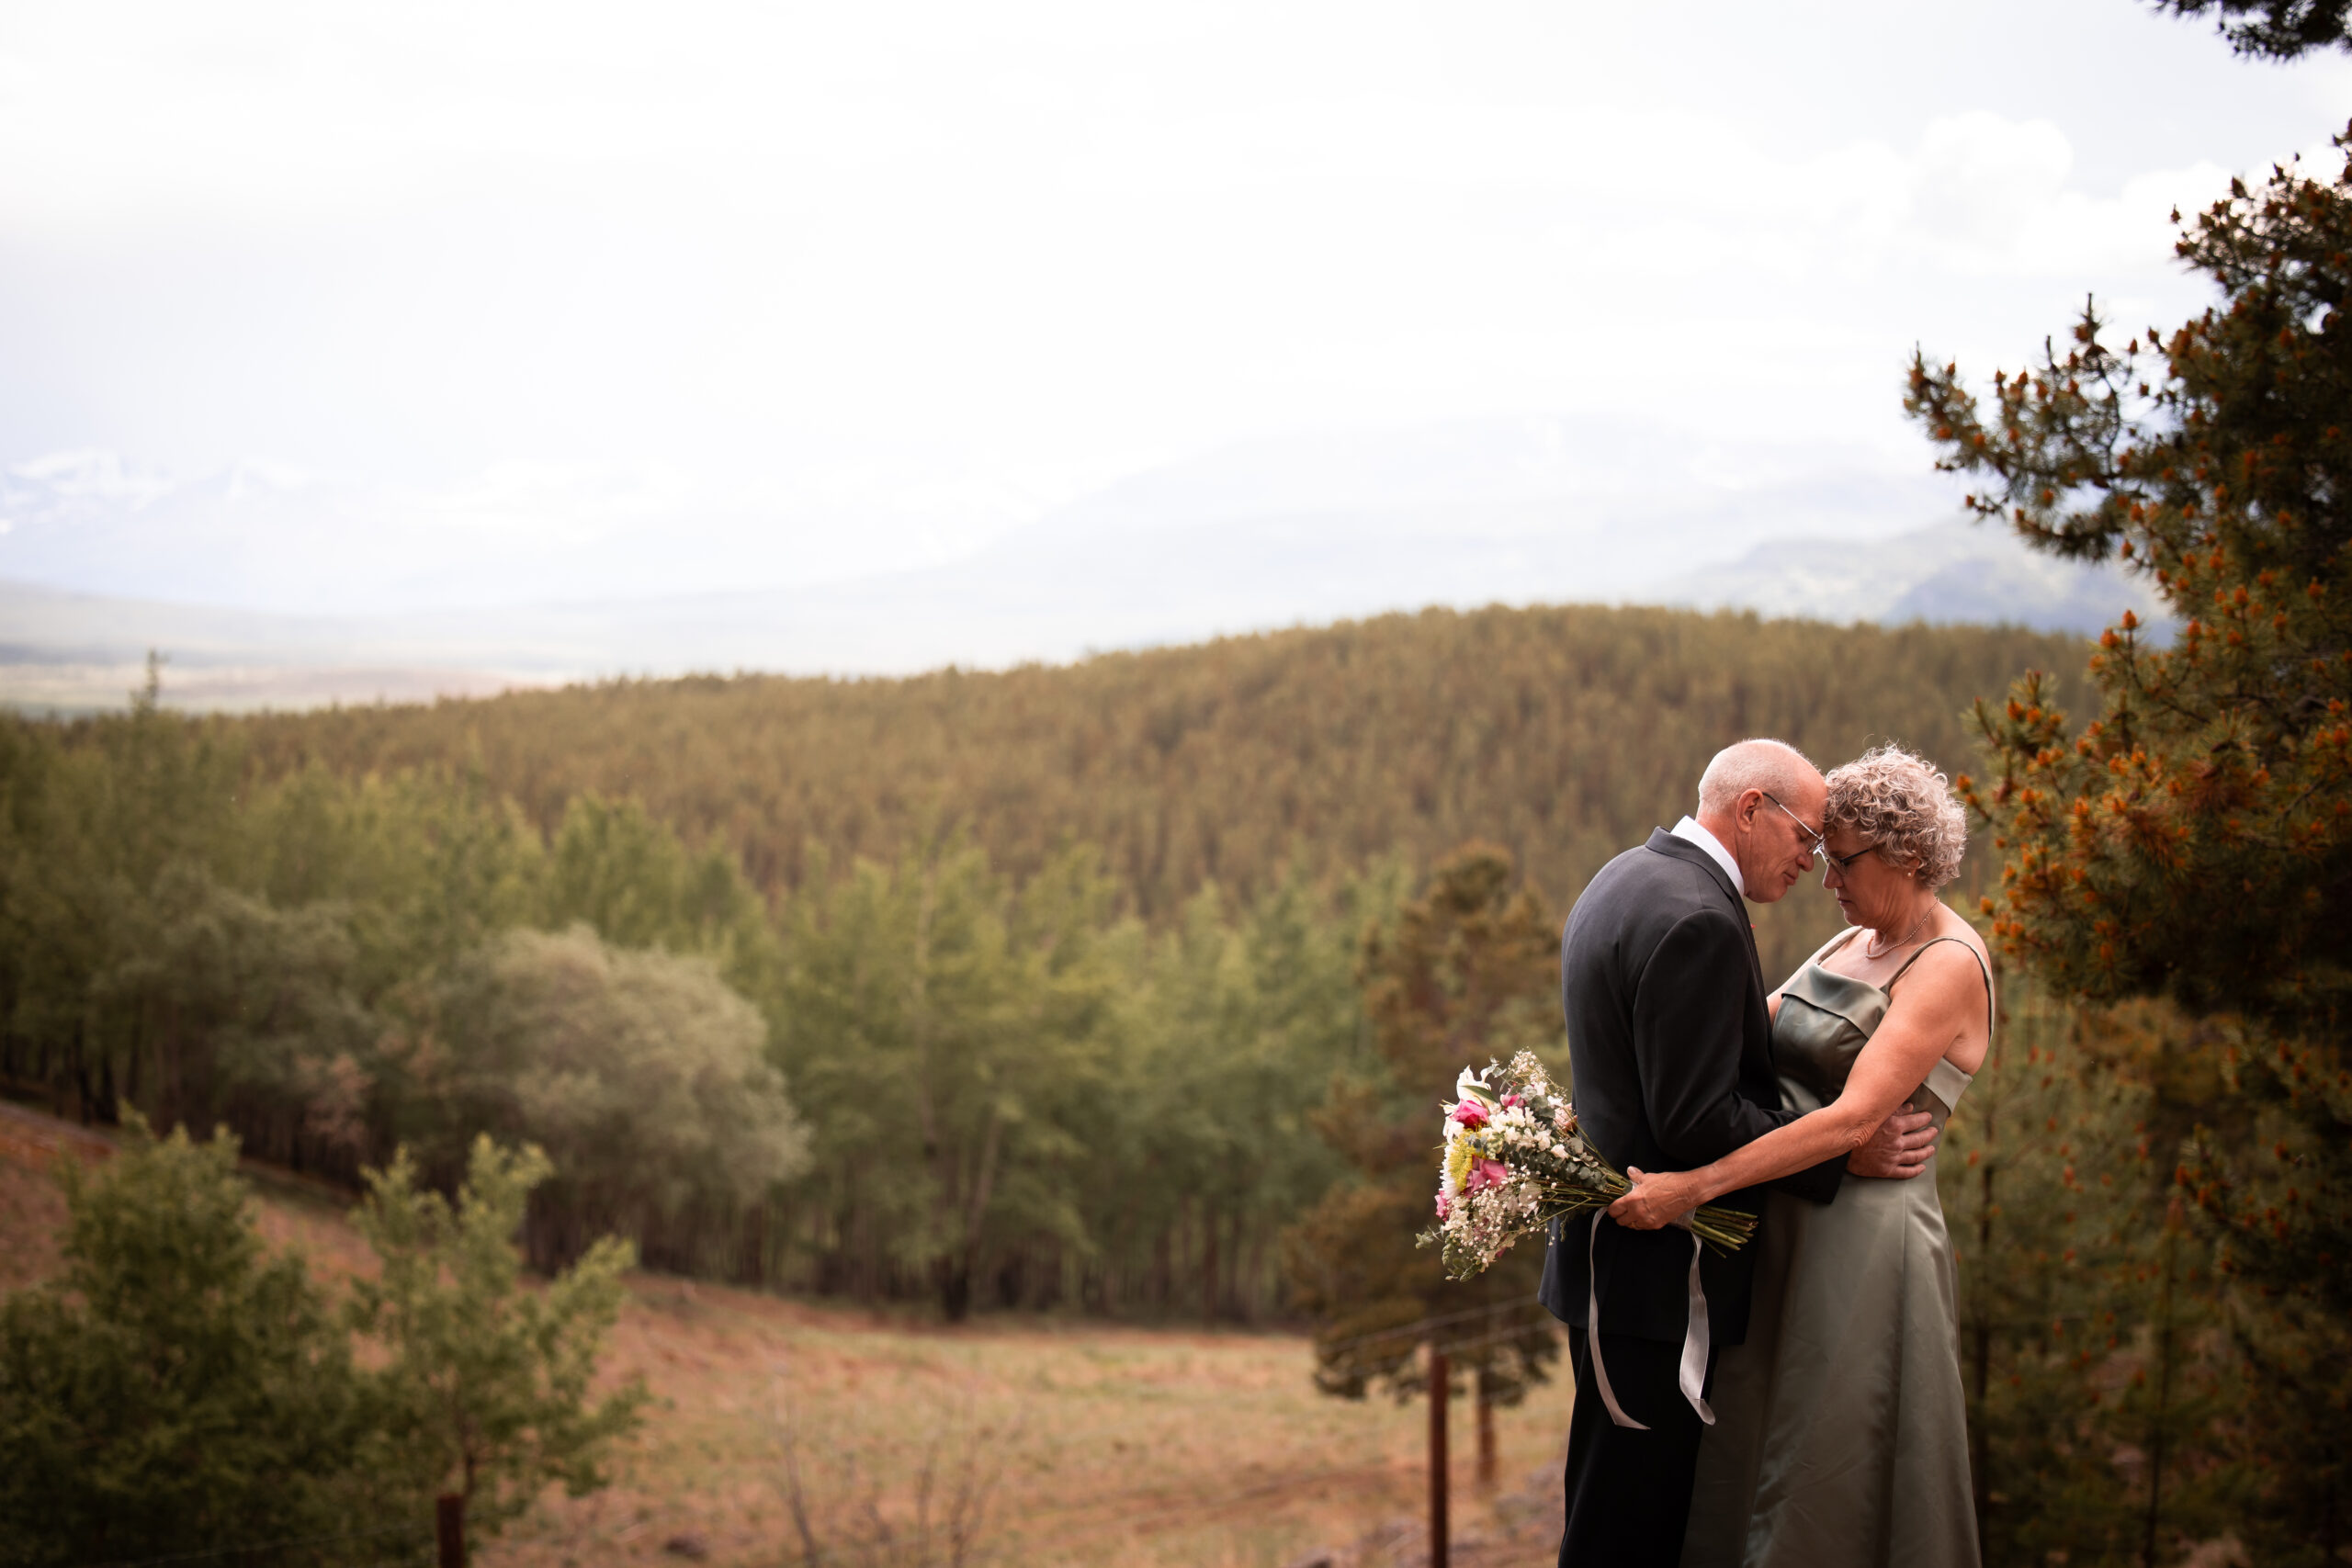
<point x="1079" y="1442"/>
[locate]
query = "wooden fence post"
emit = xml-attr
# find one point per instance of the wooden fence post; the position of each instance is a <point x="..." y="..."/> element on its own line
<point x="1441" y="1379"/>
<point x="1488" y="1465"/>
<point x="450" y="1528"/>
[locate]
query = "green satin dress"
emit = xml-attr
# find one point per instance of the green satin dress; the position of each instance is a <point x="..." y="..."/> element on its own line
<point x="1841" y="1430"/>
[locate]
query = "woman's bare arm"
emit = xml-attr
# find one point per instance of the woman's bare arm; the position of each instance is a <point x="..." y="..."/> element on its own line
<point x="1926" y="1019"/>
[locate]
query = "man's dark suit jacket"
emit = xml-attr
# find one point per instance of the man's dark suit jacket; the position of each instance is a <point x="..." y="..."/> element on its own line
<point x="1672" y="1047"/>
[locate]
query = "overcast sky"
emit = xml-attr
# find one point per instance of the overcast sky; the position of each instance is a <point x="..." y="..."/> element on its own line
<point x="858" y="287"/>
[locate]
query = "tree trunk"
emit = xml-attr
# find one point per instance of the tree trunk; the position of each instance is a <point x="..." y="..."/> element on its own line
<point x="1487" y="1462"/>
<point x="1161" y="1267"/>
<point x="449" y="1529"/>
<point x="81" y="1080"/>
<point x="955" y="1288"/>
<point x="1209" y="1284"/>
<point x="751" y="1245"/>
<point x="1246" y="1294"/>
<point x="2160" y="1420"/>
<point x="1980" y="1331"/>
<point x="1441" y="1379"/>
<point x="1181" y="1254"/>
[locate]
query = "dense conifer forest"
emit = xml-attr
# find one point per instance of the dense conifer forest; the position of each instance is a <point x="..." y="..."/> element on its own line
<point x="1562" y="734"/>
<point x="993" y="988"/>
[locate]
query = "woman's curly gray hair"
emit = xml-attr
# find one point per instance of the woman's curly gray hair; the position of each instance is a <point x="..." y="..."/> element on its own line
<point x="1903" y="807"/>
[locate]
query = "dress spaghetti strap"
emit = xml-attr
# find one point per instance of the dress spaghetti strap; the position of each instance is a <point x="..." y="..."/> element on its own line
<point x="1889" y="986"/>
<point x="1834" y="944"/>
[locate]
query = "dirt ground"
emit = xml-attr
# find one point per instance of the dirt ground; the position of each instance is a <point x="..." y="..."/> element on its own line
<point x="779" y="1425"/>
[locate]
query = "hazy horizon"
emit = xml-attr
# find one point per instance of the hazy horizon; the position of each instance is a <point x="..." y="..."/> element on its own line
<point x="334" y="314"/>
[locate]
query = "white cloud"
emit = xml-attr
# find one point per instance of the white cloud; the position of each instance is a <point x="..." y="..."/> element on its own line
<point x="1988" y="194"/>
<point x="1981" y="179"/>
<point x="835" y="289"/>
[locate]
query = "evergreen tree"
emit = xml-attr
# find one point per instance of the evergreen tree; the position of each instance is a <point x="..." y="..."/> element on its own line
<point x="2099" y="1376"/>
<point x="617" y="869"/>
<point x="2194" y="840"/>
<point x="1228" y="1028"/>
<point x="484" y="1393"/>
<point x="426" y="864"/>
<point x="948" y="1030"/>
<point x="2273" y="29"/>
<point x="1469" y="973"/>
<point x="242" y="1012"/>
<point x="176" y="1392"/>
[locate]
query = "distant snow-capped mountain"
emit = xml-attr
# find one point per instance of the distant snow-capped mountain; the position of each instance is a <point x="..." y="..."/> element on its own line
<point x="1008" y="605"/>
<point x="93" y="523"/>
<point x="269" y="536"/>
<point x="1954" y="571"/>
<point x="532" y="574"/>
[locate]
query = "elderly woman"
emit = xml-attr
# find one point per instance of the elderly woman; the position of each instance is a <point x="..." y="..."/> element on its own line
<point x="1842" y="1433"/>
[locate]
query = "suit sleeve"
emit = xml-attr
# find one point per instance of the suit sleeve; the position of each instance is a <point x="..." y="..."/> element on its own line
<point x="1686" y="1038"/>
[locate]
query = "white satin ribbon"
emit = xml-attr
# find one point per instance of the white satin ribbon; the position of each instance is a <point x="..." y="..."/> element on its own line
<point x="1694" y="1338"/>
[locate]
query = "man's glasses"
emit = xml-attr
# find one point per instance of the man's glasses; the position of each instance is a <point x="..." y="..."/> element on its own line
<point x="1820" y="844"/>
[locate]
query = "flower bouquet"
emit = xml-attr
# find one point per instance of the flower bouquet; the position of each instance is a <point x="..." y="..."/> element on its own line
<point x="1515" y="1160"/>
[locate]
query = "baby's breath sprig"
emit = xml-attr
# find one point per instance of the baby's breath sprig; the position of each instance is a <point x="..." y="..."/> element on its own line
<point x="1516" y="1158"/>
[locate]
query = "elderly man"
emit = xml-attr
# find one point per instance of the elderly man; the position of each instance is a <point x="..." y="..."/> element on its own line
<point x="1671" y="1042"/>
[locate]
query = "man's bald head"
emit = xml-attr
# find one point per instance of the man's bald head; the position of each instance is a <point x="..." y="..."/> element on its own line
<point x="1762" y="800"/>
<point x="1773" y="766"/>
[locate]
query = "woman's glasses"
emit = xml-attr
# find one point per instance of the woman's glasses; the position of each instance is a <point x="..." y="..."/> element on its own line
<point x="1821" y="852"/>
<point x="1820" y="841"/>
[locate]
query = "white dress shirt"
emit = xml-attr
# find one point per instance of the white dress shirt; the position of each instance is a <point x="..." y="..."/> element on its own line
<point x="1690" y="832"/>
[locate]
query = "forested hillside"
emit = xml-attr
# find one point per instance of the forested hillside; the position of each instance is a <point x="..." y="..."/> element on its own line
<point x="1016" y="989"/>
<point x="1563" y="734"/>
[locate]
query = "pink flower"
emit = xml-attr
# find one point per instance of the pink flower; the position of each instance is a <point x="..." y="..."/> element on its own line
<point x="1471" y="1113"/>
<point x="1444" y="1206"/>
<point x="1485" y="1173"/>
<point x="1509" y="1100"/>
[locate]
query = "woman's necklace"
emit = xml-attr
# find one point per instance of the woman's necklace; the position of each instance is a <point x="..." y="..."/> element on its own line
<point x="1871" y="950"/>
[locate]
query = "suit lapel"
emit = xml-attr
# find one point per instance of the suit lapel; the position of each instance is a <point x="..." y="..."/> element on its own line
<point x="1666" y="844"/>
